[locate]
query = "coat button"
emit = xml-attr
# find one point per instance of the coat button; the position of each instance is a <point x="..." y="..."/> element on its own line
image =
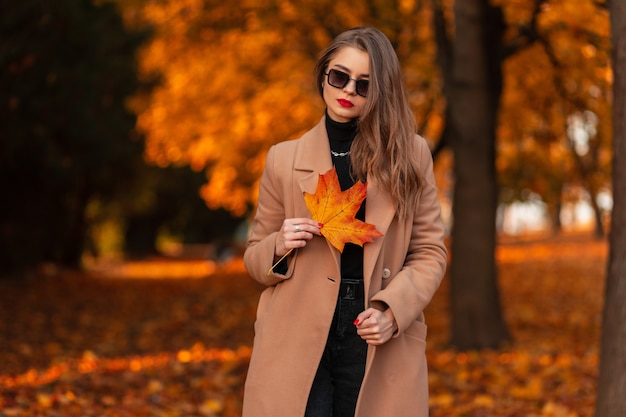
<point x="386" y="273"/>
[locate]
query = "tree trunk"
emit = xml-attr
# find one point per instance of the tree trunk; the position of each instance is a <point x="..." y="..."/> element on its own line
<point x="597" y="212"/>
<point x="74" y="236"/>
<point x="557" y="226"/>
<point x="611" y="400"/>
<point x="474" y="98"/>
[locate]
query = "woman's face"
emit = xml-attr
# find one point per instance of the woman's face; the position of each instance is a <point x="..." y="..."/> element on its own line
<point x="344" y="104"/>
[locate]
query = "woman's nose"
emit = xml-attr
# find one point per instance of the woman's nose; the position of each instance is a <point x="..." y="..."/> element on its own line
<point x="350" y="88"/>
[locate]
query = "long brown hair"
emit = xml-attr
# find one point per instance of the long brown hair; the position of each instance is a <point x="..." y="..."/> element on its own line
<point x="384" y="147"/>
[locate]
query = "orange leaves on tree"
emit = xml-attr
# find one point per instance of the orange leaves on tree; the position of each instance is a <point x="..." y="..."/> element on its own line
<point x="336" y="210"/>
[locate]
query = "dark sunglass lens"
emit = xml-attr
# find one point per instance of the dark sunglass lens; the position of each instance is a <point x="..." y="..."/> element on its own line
<point x="338" y="79"/>
<point x="361" y="87"/>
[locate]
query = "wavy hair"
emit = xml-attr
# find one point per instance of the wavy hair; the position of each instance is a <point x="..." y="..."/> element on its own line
<point x="384" y="147"/>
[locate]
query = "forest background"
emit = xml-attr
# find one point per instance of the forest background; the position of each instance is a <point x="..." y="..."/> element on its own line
<point x="124" y="122"/>
<point x="137" y="128"/>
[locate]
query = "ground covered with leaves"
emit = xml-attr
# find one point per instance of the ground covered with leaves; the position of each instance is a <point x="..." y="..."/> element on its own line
<point x="172" y="338"/>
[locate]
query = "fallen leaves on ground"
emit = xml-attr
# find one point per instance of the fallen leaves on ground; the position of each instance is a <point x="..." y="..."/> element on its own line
<point x="551" y="292"/>
<point x="96" y="344"/>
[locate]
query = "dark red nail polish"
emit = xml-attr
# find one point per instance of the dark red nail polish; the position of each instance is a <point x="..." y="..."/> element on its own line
<point x="356" y="322"/>
<point x="320" y="224"/>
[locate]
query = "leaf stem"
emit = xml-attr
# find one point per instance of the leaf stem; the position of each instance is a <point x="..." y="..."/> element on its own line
<point x="279" y="261"/>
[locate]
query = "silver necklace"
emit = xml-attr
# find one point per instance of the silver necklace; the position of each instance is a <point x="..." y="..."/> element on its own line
<point x="339" y="154"/>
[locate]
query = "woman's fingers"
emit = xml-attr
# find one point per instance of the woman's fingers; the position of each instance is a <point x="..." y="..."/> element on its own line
<point x="297" y="225"/>
<point x="295" y="233"/>
<point x="375" y="327"/>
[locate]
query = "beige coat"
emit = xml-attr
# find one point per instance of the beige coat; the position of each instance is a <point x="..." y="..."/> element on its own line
<point x="402" y="269"/>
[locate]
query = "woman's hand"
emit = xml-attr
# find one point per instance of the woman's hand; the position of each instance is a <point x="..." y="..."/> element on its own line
<point x="294" y="234"/>
<point x="376" y="327"/>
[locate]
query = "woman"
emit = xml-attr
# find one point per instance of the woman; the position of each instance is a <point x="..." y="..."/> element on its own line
<point x="343" y="334"/>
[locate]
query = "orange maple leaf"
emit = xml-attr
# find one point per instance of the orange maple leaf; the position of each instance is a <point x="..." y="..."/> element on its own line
<point x="335" y="210"/>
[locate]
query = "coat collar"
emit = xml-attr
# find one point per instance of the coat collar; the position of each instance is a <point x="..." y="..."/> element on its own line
<point x="312" y="159"/>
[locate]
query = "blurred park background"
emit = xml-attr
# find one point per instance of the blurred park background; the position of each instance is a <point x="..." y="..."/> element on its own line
<point x="132" y="138"/>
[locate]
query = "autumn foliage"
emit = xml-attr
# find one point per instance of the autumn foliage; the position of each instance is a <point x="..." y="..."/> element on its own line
<point x="111" y="343"/>
<point x="336" y="210"/>
<point x="236" y="78"/>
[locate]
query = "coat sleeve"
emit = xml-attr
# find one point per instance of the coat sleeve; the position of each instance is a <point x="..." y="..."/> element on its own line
<point x="410" y="291"/>
<point x="270" y="214"/>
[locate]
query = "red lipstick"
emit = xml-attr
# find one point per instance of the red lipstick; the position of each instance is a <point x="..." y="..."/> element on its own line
<point x="345" y="103"/>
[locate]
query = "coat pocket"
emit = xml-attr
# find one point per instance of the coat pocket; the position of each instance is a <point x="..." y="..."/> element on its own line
<point x="417" y="330"/>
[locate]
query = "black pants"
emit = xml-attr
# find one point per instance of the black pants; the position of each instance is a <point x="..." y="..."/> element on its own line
<point x="338" y="380"/>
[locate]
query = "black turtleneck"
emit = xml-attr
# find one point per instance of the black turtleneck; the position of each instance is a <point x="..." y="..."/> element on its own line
<point x="340" y="136"/>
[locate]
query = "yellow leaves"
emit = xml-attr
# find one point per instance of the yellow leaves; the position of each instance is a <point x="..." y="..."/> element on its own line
<point x="157" y="270"/>
<point x="484" y="401"/>
<point x="537" y="98"/>
<point x="223" y="190"/>
<point x="445" y="400"/>
<point x="212" y="407"/>
<point x="174" y="14"/>
<point x="226" y="96"/>
<point x="549" y="370"/>
<point x="407" y="6"/>
<point x="44" y="400"/>
<point x="336" y="209"/>
<point x="532" y="389"/>
<point x="552" y="409"/>
<point x="579" y="15"/>
<point x="154" y="386"/>
<point x="93" y="365"/>
<point x="236" y="78"/>
<point x="492" y="380"/>
<point x="154" y="389"/>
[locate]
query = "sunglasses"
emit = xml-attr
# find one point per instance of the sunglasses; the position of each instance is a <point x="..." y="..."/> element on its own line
<point x="340" y="79"/>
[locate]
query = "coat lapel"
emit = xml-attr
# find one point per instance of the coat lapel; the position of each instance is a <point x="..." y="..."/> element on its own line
<point x="379" y="211"/>
<point x="311" y="160"/>
<point x="312" y="157"/>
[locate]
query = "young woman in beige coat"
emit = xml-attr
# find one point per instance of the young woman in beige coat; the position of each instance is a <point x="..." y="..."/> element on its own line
<point x="342" y="334"/>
